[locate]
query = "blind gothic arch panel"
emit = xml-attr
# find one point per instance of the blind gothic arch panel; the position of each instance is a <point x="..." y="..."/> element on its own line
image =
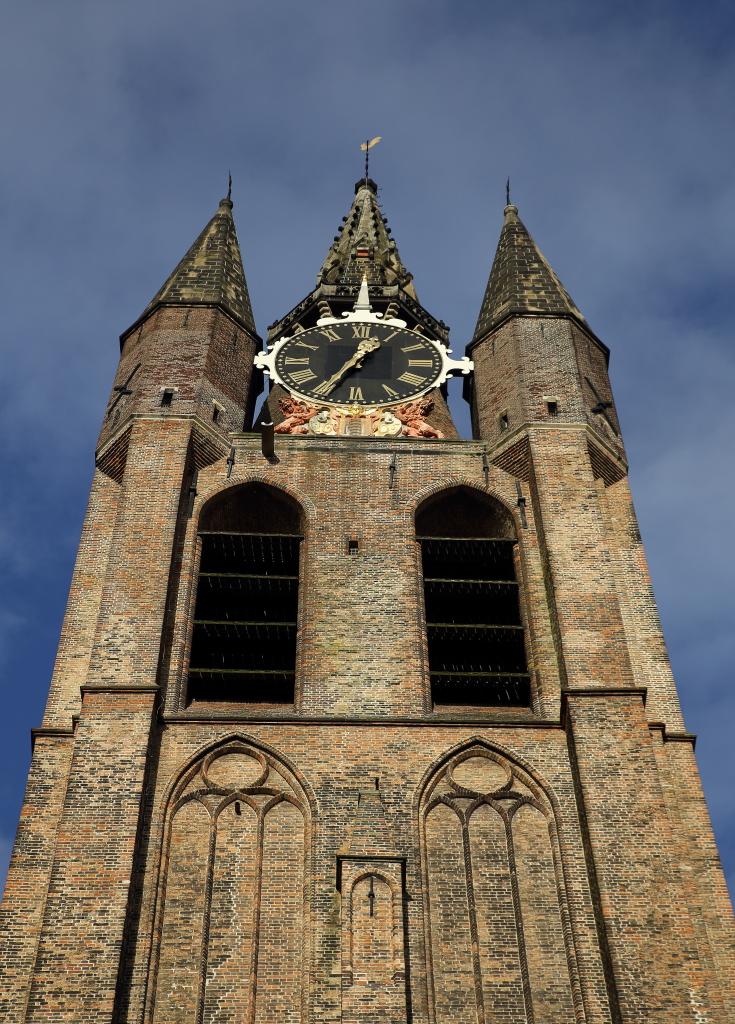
<point x="498" y="937"/>
<point x="233" y="884"/>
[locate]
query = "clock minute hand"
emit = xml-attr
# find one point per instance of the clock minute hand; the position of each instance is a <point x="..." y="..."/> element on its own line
<point x="365" y="347"/>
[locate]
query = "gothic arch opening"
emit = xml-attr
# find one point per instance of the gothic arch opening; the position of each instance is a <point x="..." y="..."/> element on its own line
<point x="475" y="635"/>
<point x="497" y="936"/>
<point x="243" y="647"/>
<point x="233" y="888"/>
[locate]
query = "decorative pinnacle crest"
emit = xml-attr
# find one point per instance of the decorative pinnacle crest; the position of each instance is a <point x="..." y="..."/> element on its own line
<point x="364" y="246"/>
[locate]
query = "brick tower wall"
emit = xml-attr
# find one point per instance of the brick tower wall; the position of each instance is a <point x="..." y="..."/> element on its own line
<point x="362" y="712"/>
<point x="363" y="853"/>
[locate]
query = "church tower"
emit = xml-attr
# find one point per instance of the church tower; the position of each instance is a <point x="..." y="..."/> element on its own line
<point x="353" y="720"/>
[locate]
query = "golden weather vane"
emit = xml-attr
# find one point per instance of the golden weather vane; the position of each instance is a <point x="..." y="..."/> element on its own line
<point x="366" y="146"/>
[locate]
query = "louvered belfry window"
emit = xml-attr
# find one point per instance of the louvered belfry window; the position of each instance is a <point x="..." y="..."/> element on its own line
<point x="243" y="647"/>
<point x="475" y="635"/>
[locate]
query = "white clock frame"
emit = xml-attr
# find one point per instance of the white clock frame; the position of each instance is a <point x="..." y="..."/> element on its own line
<point x="362" y="313"/>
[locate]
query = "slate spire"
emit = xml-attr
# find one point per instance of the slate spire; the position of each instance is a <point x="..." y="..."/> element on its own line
<point x="211" y="273"/>
<point x="363" y="247"/>
<point x="521" y="280"/>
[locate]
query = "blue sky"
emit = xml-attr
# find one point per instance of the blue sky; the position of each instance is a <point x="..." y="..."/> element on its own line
<point x="614" y="121"/>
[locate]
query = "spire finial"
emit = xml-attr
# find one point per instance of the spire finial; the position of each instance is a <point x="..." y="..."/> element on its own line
<point x="366" y="146"/>
<point x="229" y="185"/>
<point x="507" y="192"/>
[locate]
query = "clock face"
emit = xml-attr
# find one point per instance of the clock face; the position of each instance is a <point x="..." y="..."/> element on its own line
<point x="358" y="363"/>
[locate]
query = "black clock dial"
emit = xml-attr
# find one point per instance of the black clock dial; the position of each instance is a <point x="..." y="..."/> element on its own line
<point x="358" y="364"/>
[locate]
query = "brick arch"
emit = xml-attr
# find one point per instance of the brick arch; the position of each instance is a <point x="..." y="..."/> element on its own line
<point x="420" y="497"/>
<point x="308" y="508"/>
<point x="234" y="885"/>
<point x="494" y="890"/>
<point x="265" y="490"/>
<point x="377" y="873"/>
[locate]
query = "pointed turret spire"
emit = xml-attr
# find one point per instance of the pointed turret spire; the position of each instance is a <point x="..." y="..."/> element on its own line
<point x="521" y="280"/>
<point x="363" y="247"/>
<point x="211" y="273"/>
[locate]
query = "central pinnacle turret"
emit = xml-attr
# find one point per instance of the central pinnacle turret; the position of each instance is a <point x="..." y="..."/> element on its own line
<point x="363" y="247"/>
<point x="362" y="250"/>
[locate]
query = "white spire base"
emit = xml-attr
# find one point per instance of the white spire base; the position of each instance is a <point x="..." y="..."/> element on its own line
<point x="362" y="304"/>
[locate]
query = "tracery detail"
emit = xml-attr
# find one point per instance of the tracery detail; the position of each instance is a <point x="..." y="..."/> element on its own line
<point x="495" y="897"/>
<point x="233" y="886"/>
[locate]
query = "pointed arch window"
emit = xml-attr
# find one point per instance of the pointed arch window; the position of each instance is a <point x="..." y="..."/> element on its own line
<point x="475" y="634"/>
<point x="243" y="647"/>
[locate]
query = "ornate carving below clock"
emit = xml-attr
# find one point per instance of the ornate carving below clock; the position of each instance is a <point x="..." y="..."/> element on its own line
<point x="407" y="420"/>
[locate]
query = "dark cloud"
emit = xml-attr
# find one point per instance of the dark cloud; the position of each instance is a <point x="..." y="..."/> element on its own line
<point x="120" y="122"/>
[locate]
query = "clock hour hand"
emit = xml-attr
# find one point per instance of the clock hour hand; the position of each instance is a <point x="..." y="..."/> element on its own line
<point x="365" y="347"/>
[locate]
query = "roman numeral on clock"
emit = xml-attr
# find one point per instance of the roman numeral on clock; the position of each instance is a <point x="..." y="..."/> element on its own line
<point x="301" y="376"/>
<point x="331" y="334"/>
<point x="389" y="391"/>
<point x="303" y="344"/>
<point x="296" y="360"/>
<point x="324" y="388"/>
<point x="419" y="362"/>
<point x="361" y="330"/>
<point x="412" y="378"/>
<point x="412" y="348"/>
<point x="356" y="395"/>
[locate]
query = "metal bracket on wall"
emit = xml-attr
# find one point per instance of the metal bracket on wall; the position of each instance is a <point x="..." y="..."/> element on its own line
<point x="267" y="441"/>
<point x="521" y="503"/>
<point x="486" y="467"/>
<point x="230" y="462"/>
<point x="192" y="493"/>
<point x="392" y="472"/>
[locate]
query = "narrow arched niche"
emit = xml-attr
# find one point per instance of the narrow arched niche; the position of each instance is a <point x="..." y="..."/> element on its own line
<point x="475" y="636"/>
<point x="243" y="646"/>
